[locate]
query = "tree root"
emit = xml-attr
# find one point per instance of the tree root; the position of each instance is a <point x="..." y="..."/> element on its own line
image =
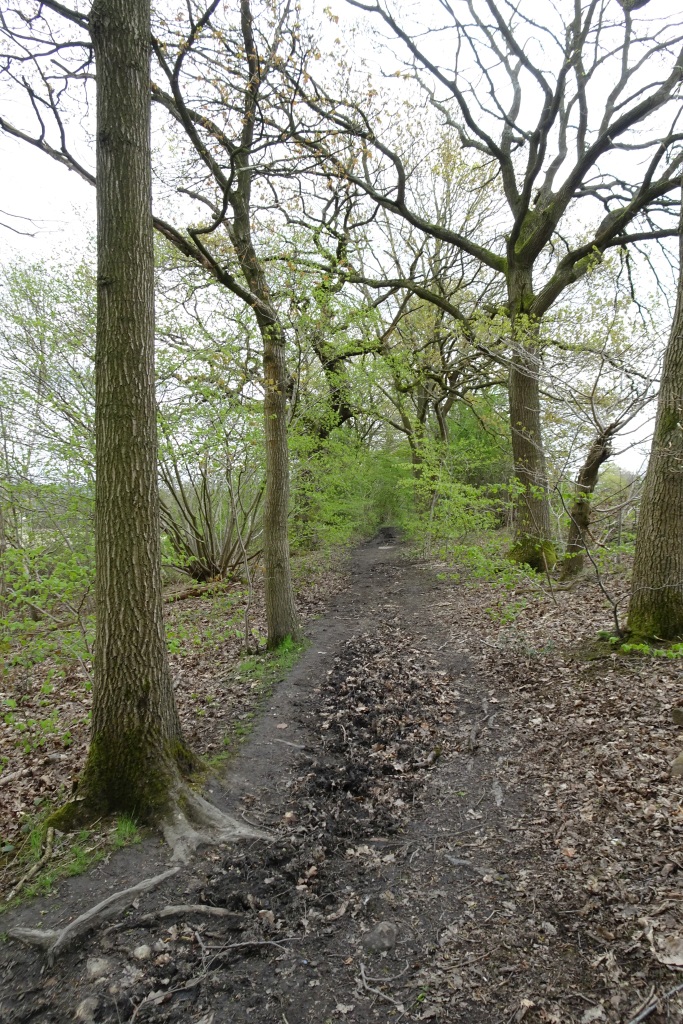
<point x="56" y="941"/>
<point x="177" y="910"/>
<point x="194" y="822"/>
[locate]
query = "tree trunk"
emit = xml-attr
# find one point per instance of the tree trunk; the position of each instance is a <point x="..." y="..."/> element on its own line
<point x="339" y="389"/>
<point x="279" y="592"/>
<point x="533" y="543"/>
<point x="136" y="744"/>
<point x="656" y="608"/>
<point x="580" y="511"/>
<point x="280" y="606"/>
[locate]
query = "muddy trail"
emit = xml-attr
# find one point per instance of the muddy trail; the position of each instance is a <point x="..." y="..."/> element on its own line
<point x="408" y="875"/>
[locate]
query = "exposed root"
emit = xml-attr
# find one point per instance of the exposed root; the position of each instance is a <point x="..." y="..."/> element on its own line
<point x="56" y="941"/>
<point x="195" y="822"/>
<point x="192" y="823"/>
<point x="177" y="910"/>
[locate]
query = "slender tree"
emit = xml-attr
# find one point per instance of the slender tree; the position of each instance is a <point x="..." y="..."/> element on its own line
<point x="656" y="607"/>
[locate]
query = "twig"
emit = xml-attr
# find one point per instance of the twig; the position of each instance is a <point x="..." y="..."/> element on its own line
<point x="376" y="991"/>
<point x="55" y="941"/>
<point x="49" y="839"/>
<point x="279" y="944"/>
<point x="645" y="1002"/>
<point x="192" y="983"/>
<point x="4" y="779"/>
<point x="257" y="942"/>
<point x="649" y="1010"/>
<point x="394" y="977"/>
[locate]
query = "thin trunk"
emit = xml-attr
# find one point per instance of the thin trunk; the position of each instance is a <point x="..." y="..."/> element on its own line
<point x="533" y="543"/>
<point x="339" y="388"/>
<point x="280" y="607"/>
<point x="279" y="592"/>
<point x="136" y="743"/>
<point x="580" y="511"/>
<point x="656" y="609"/>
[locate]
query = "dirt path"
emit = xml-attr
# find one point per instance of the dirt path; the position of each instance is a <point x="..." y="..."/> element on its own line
<point x="406" y="879"/>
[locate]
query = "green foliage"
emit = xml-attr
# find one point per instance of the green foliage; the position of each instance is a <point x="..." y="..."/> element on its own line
<point x="31" y="733"/>
<point x="221" y="619"/>
<point x="260" y="672"/>
<point x="126" y="833"/>
<point x="342" y="491"/>
<point x="46" y="605"/>
<point x="672" y="651"/>
<point x="72" y="855"/>
<point x="438" y="510"/>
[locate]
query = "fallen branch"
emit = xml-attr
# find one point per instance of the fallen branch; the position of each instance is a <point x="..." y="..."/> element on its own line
<point x="49" y="839"/>
<point x="199" y="590"/>
<point x="56" y="941"/>
<point x="4" y="779"/>
<point x="256" y="942"/>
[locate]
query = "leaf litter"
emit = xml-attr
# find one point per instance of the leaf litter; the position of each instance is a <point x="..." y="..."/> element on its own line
<point x="499" y="801"/>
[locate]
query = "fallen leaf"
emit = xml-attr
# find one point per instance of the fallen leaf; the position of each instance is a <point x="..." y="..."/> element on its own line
<point x="669" y="950"/>
<point x="593" y="1013"/>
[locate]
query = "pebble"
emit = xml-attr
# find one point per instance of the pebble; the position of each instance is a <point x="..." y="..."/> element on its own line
<point x="381" y="938"/>
<point x="142" y="952"/>
<point x="98" y="967"/>
<point x="87" y="1010"/>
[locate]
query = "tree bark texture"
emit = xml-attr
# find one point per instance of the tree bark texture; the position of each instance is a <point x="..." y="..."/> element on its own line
<point x="136" y="741"/>
<point x="656" y="608"/>
<point x="280" y="607"/>
<point x="580" y="511"/>
<point x="533" y="544"/>
<point x="279" y="593"/>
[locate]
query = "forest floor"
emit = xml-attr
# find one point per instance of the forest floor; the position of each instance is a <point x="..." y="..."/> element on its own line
<point x="472" y="819"/>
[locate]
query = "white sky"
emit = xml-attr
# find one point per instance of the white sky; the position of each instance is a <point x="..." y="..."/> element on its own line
<point x="61" y="205"/>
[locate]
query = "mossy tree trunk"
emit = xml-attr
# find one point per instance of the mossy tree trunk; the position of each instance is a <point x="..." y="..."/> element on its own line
<point x="533" y="544"/>
<point x="580" y="510"/>
<point x="136" y="743"/>
<point x="656" y="608"/>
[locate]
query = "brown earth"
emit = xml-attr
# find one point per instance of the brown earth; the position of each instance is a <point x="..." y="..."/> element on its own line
<point x="456" y="766"/>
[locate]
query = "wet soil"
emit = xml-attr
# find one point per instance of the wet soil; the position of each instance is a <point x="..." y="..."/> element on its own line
<point x="395" y="885"/>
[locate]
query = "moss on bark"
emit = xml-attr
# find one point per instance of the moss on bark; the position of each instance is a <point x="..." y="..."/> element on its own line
<point x="537" y="554"/>
<point x="662" y="620"/>
<point x="143" y="786"/>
